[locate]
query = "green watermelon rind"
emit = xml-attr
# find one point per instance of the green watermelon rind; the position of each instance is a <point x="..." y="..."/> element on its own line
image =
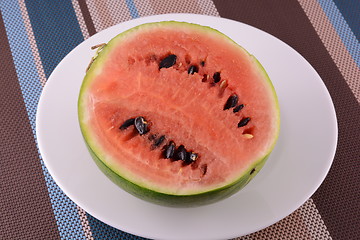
<point x="171" y="200"/>
<point x="149" y="193"/>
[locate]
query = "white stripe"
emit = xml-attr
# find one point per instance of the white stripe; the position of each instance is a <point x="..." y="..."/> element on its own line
<point x="32" y="41"/>
<point x="118" y="10"/>
<point x="80" y="19"/>
<point x="107" y="13"/>
<point x="85" y="224"/>
<point x="304" y="223"/>
<point x="208" y="8"/>
<point x="83" y="218"/>
<point x="144" y="8"/>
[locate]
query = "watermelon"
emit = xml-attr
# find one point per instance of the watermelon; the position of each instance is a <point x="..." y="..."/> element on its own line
<point x="178" y="114"/>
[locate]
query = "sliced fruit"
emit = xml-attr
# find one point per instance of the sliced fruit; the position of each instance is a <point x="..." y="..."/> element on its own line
<point x="177" y="113"/>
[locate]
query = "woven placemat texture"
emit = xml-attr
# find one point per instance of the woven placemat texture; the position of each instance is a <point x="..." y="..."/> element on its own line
<point x="304" y="223"/>
<point x="337" y="37"/>
<point x="338" y="196"/>
<point x="35" y="36"/>
<point x="24" y="199"/>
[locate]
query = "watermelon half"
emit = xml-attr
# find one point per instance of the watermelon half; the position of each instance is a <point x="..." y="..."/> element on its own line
<point x="177" y="113"/>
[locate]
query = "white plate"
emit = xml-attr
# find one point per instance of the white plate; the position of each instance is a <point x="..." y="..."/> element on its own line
<point x="294" y="171"/>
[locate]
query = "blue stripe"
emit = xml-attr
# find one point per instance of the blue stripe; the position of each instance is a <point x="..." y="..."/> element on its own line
<point x="56" y="30"/>
<point x="65" y="210"/>
<point x="350" y="9"/>
<point x="101" y="230"/>
<point x="132" y="8"/>
<point x="342" y="29"/>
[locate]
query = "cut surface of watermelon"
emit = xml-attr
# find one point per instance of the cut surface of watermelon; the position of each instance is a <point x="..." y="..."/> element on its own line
<point x="184" y="87"/>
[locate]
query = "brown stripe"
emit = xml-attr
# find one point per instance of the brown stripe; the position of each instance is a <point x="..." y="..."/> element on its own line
<point x="338" y="198"/>
<point x="25" y="209"/>
<point x="87" y="17"/>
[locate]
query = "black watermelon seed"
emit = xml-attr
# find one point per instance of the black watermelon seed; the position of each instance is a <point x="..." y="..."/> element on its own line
<point x="191" y="157"/>
<point x="180" y="153"/>
<point x="244" y="122"/>
<point x="193" y="69"/>
<point x="202" y="63"/>
<point x="127" y="123"/>
<point x="252" y="171"/>
<point x="238" y="108"/>
<point x="216" y="77"/>
<point x="169" y="150"/>
<point x="231" y="102"/>
<point x="158" y="142"/>
<point x="168" y="61"/>
<point x="141" y="125"/>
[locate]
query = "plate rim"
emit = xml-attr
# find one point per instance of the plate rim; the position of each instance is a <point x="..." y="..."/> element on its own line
<point x="178" y="15"/>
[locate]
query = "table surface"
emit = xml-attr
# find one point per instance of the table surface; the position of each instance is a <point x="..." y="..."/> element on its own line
<point x="34" y="37"/>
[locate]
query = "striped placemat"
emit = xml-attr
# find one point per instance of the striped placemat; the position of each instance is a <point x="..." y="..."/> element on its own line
<point x="35" y="35"/>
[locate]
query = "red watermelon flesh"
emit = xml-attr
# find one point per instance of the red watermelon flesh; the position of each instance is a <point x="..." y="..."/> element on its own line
<point x="126" y="81"/>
